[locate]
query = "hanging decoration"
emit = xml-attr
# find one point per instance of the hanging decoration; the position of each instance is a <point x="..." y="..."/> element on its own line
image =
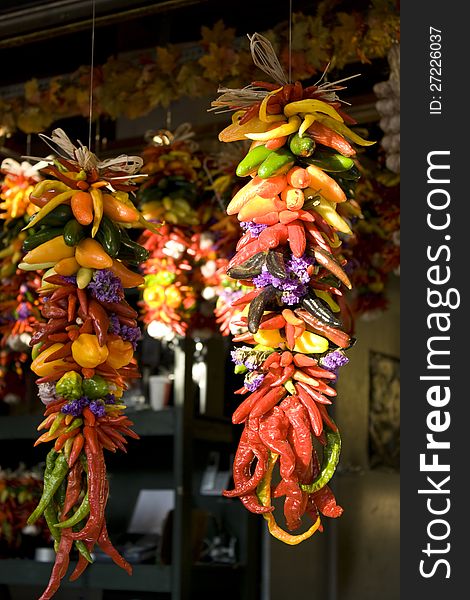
<point x="388" y="107"/>
<point x="132" y="87"/>
<point x="19" y="303"/>
<point x="186" y="258"/>
<point x="83" y="354"/>
<point x="302" y="165"/>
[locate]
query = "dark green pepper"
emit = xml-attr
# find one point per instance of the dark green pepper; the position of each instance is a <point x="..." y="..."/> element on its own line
<point x="330" y="161"/>
<point x="95" y="387"/>
<point x="73" y="232"/>
<point x="109" y="236"/>
<point x="331" y="454"/>
<point x="42" y="236"/>
<point x="57" y="217"/>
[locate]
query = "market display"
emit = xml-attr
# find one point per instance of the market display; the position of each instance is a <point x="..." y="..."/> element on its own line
<point x="186" y="258"/>
<point x="301" y="164"/>
<point x="19" y="304"/>
<point x="83" y="352"/>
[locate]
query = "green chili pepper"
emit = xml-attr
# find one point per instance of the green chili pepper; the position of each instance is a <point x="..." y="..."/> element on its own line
<point x="56" y="423"/>
<point x="331" y="455"/>
<point x="81" y="512"/>
<point x="50" y="512"/>
<point x="81" y="547"/>
<point x="51" y="485"/>
<point x="77" y="422"/>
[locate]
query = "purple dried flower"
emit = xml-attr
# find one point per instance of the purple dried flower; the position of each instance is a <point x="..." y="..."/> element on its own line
<point x="293" y="289"/>
<point x="114" y="324"/>
<point x="69" y="279"/>
<point x="298" y="267"/>
<point x="110" y="399"/>
<point x="97" y="408"/>
<point x="131" y="334"/>
<point x="75" y="407"/>
<point x="237" y="358"/>
<point x="253" y="380"/>
<point x="334" y="360"/>
<point x="254" y="228"/>
<point x="106" y="286"/>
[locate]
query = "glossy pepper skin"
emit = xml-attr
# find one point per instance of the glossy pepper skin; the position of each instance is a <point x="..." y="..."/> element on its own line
<point x="291" y="265"/>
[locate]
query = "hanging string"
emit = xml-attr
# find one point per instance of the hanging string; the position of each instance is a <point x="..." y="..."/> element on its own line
<point x="92" y="65"/>
<point x="28" y="144"/>
<point x="290" y="41"/>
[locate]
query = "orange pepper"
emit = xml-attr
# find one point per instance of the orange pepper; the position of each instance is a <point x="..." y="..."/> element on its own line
<point x="82" y="207"/>
<point x="67" y="266"/>
<point x="128" y="278"/>
<point x="118" y="211"/>
<point x="120" y="353"/>
<point x="90" y="254"/>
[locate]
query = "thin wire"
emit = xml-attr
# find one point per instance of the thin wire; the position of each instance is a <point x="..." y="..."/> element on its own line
<point x="92" y="65"/>
<point x="290" y="41"/>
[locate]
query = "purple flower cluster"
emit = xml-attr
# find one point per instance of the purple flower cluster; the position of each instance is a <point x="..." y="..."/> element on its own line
<point x="106" y="286"/>
<point x="254" y="228"/>
<point x="248" y="357"/>
<point x="294" y="285"/>
<point x="334" y="360"/>
<point x="128" y="334"/>
<point x="97" y="407"/>
<point x="131" y="334"/>
<point x="69" y="279"/>
<point x="253" y="380"/>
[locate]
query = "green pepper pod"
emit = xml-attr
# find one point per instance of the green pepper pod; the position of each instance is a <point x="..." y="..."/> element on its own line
<point x="331" y="454"/>
<point x="278" y="162"/>
<point x="330" y="161"/>
<point x="74" y="232"/>
<point x="302" y="146"/>
<point x="95" y="387"/>
<point x="57" y="217"/>
<point x="42" y="236"/>
<point x="51" y="485"/>
<point x="252" y="160"/>
<point x="81" y="512"/>
<point x="109" y="236"/>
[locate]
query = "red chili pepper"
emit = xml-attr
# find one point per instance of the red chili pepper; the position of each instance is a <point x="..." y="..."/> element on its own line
<point x="83" y="300"/>
<point x="120" y="308"/>
<point x="60" y="441"/>
<point x="250" y="113"/>
<point x="244" y="240"/>
<point x="89" y="417"/>
<point x="61" y="564"/>
<point x="297" y="240"/>
<point x="286" y="358"/>
<point x="326" y="503"/>
<point x="302" y="360"/>
<point x="105" y="441"/>
<point x="100" y="321"/>
<point x="51" y="311"/>
<point x="74" y="488"/>
<point x="82" y="563"/>
<point x="72" y="303"/>
<point x="244" y="409"/>
<point x="272" y="322"/>
<point x="272" y="236"/>
<point x="287" y="373"/>
<point x="287" y="216"/>
<point x="273" y="429"/>
<point x="54" y="406"/>
<point x="57" y="337"/>
<point x="272" y="358"/>
<point x="290" y="335"/>
<point x="62" y="292"/>
<point x="270" y="218"/>
<point x="105" y="544"/>
<point x="326" y="418"/>
<point x="245" y="253"/>
<point x="97" y="487"/>
<point x="247" y="451"/>
<point x="312" y="409"/>
<point x="268" y="401"/>
<point x="247" y="298"/>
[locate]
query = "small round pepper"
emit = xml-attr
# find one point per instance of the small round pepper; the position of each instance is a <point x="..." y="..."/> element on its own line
<point x="87" y="352"/>
<point x="120" y="353"/>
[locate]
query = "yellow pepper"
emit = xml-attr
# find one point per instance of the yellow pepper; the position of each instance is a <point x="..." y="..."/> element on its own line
<point x="269" y="337"/>
<point x="311" y="343"/>
<point x="120" y="353"/>
<point x="43" y="369"/>
<point x="87" y="352"/>
<point x="51" y="251"/>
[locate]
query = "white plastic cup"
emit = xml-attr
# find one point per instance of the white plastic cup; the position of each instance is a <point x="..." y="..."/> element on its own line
<point x="159" y="391"/>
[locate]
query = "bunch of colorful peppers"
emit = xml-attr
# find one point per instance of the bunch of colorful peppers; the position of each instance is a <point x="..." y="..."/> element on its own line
<point x="83" y="354"/>
<point x="299" y="163"/>
<point x="20" y="490"/>
<point x="186" y="257"/>
<point x="19" y="304"/>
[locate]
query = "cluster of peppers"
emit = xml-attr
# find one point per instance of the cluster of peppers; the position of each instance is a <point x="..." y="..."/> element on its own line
<point x="187" y="257"/>
<point x="83" y="352"/>
<point x="19" y="305"/>
<point x="294" y="317"/>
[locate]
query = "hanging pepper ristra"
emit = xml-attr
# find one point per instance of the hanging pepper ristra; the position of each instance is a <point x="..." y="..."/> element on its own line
<point x="83" y="352"/>
<point x="302" y="164"/>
